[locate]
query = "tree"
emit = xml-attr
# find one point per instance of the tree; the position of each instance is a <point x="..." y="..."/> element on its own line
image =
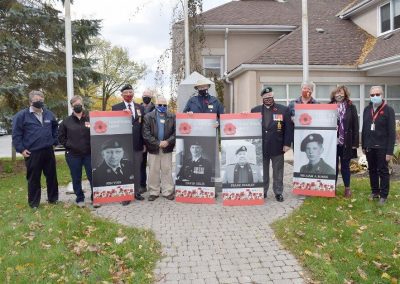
<point x="32" y="54"/>
<point x="115" y="69"/>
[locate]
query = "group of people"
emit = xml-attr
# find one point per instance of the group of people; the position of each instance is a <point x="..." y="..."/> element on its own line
<point x="36" y="131"/>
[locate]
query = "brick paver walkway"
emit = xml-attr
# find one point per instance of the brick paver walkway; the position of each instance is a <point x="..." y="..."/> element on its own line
<point x="212" y="243"/>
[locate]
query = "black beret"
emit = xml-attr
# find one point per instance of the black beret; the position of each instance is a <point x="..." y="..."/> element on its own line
<point x="313" y="137"/>
<point x="111" y="144"/>
<point x="196" y="143"/>
<point x="126" y="87"/>
<point x="241" y="149"/>
<point x="266" y="90"/>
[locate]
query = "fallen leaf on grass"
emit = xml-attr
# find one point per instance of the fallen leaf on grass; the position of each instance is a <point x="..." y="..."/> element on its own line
<point x="362" y="273"/>
<point x="119" y="241"/>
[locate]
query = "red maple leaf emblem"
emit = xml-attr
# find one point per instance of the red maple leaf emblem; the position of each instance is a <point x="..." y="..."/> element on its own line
<point x="100" y="126"/>
<point x="305" y="119"/>
<point x="229" y="129"/>
<point x="185" y="128"/>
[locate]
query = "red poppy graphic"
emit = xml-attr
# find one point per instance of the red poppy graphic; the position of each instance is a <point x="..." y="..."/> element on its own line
<point x="305" y="119"/>
<point x="100" y="126"/>
<point x="185" y="128"/>
<point x="229" y="129"/>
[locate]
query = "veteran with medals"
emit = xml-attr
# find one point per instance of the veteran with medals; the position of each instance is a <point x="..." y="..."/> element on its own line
<point x="277" y="131"/>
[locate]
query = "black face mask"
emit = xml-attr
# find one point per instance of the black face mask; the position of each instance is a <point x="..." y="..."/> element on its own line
<point x="146" y="100"/>
<point x="203" y="92"/>
<point x="78" y="108"/>
<point x="38" y="104"/>
<point x="268" y="101"/>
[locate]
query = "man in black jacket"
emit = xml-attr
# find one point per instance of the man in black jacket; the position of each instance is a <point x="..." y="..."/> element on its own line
<point x="137" y="112"/>
<point x="148" y="106"/>
<point x="378" y="139"/>
<point x="277" y="132"/>
<point x="159" y="136"/>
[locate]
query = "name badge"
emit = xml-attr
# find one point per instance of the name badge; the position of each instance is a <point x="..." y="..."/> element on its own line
<point x="373" y="127"/>
<point x="162" y="120"/>
<point x="210" y="106"/>
<point x="46" y="121"/>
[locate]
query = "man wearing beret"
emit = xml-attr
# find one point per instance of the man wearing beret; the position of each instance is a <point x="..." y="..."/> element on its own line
<point x="114" y="169"/>
<point x="196" y="168"/>
<point x="312" y="145"/>
<point x="242" y="171"/>
<point x="137" y="112"/>
<point x="277" y="136"/>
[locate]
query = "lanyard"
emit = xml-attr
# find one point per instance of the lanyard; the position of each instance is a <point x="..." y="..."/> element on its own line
<point x="378" y="111"/>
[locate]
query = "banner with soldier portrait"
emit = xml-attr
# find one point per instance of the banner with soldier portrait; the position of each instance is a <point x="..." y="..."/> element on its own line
<point x="195" y="157"/>
<point x="315" y="140"/>
<point x="242" y="159"/>
<point x="112" y="152"/>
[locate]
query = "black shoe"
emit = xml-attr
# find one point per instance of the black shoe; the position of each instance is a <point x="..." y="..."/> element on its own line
<point x="373" y="196"/>
<point x="125" y="203"/>
<point x="152" y="197"/>
<point x="139" y="197"/>
<point x="279" y="197"/>
<point x="54" y="202"/>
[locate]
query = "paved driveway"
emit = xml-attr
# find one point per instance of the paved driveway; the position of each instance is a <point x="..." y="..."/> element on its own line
<point x="213" y="243"/>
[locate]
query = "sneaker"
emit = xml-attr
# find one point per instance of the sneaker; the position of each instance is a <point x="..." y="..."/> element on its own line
<point x="152" y="197"/>
<point x="80" y="204"/>
<point x="373" y="196"/>
<point x="170" y="197"/>
<point x="125" y="203"/>
<point x="279" y="197"/>
<point x="382" y="201"/>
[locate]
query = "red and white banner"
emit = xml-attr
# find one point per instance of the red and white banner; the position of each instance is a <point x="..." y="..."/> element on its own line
<point x="242" y="159"/>
<point x="315" y="141"/>
<point x="112" y="152"/>
<point x="195" y="157"/>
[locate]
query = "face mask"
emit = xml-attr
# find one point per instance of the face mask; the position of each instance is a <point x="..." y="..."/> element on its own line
<point x="128" y="99"/>
<point x="146" y="100"/>
<point x="306" y="94"/>
<point x="38" y="104"/>
<point x="78" y="108"/>
<point x="339" y="98"/>
<point x="268" y="101"/>
<point x="203" y="92"/>
<point x="161" y="109"/>
<point x="376" y="100"/>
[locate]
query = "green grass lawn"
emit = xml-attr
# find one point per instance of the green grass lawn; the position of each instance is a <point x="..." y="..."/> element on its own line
<point x="342" y="240"/>
<point x="65" y="244"/>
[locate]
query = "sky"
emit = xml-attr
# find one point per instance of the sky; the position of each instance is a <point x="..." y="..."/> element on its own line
<point x="141" y="26"/>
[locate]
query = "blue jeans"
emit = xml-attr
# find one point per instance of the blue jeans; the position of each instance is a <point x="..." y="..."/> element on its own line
<point x="344" y="166"/>
<point x="75" y="164"/>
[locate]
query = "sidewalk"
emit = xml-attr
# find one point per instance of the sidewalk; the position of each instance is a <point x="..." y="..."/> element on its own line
<point x="212" y="243"/>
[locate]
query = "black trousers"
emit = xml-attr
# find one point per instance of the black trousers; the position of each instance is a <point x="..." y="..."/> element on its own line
<point x="41" y="160"/>
<point x="143" y="175"/>
<point x="378" y="172"/>
<point x="277" y="173"/>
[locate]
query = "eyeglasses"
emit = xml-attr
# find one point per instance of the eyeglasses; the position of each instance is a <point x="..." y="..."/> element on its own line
<point x="160" y="105"/>
<point x="373" y="95"/>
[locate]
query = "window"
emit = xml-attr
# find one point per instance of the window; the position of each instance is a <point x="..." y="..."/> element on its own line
<point x="212" y="66"/>
<point x="323" y="93"/>
<point x="389" y="16"/>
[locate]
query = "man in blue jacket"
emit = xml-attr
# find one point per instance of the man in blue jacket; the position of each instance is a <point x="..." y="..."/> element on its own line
<point x="203" y="102"/>
<point x="34" y="135"/>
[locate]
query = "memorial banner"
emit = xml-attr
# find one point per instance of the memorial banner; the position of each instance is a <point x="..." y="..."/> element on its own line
<point x="112" y="152"/>
<point x="242" y="159"/>
<point x="315" y="140"/>
<point x="195" y="157"/>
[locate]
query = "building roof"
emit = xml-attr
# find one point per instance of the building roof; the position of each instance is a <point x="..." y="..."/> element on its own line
<point x="341" y="43"/>
<point x="385" y="47"/>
